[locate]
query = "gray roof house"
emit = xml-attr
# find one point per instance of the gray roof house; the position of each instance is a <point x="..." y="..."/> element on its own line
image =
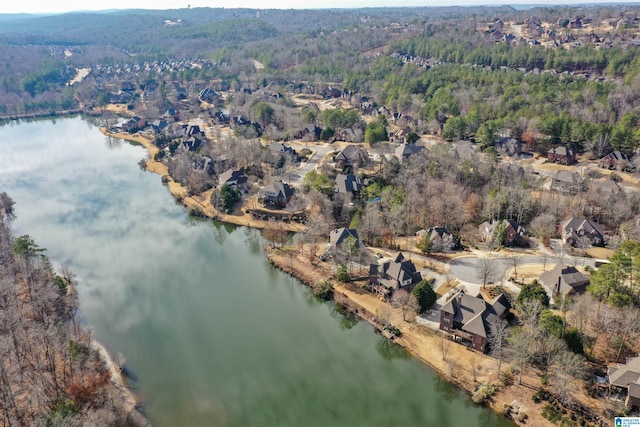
<point x="351" y="155"/>
<point x="441" y="239"/>
<point x="627" y="376"/>
<point x="347" y="184"/>
<point x="394" y="274"/>
<point x="275" y="195"/>
<point x="575" y="229"/>
<point x="470" y="318"/>
<point x="565" y="280"/>
<point x="404" y="151"/>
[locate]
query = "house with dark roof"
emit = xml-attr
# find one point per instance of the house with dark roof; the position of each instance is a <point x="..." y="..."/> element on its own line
<point x="627" y="377"/>
<point x="351" y="155"/>
<point x="309" y="133"/>
<point x="338" y="235"/>
<point x="470" y="318"/>
<point x="133" y="124"/>
<point x="348" y="184"/>
<point x="171" y="113"/>
<point x="563" y="280"/>
<point x="440" y="238"/>
<point x="615" y="160"/>
<point x="404" y="151"/>
<point x="233" y="178"/>
<point x="159" y="125"/>
<point x="562" y="155"/>
<point x="208" y="95"/>
<point x="191" y="144"/>
<point x="394" y="274"/>
<point x="275" y="195"/>
<point x="581" y="230"/>
<point x="507" y="231"/>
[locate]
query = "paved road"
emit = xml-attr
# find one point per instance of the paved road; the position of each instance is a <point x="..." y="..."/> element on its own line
<point x="465" y="269"/>
<point x="296" y="176"/>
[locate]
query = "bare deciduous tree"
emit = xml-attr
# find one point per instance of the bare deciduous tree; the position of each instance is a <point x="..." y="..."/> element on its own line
<point x="486" y="270"/>
<point x="406" y="302"/>
<point x="568" y="369"/>
<point x="497" y="338"/>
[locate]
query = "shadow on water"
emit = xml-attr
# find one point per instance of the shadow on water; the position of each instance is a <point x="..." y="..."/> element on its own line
<point x="390" y="350"/>
<point x="346" y="319"/>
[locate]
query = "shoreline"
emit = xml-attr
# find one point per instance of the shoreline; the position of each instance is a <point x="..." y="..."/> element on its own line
<point x="198" y="204"/>
<point x="426" y="345"/>
<point x="127" y="397"/>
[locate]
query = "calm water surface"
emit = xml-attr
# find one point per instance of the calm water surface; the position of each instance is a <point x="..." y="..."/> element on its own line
<point x="212" y="334"/>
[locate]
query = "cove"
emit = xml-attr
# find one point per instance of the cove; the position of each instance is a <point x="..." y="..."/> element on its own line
<point x="212" y="334"/>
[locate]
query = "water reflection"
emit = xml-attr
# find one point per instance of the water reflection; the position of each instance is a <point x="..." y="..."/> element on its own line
<point x="346" y="318"/>
<point x="390" y="350"/>
<point x="213" y="333"/>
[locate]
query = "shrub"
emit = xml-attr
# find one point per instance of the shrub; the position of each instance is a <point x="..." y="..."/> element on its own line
<point x="323" y="290"/>
<point x="342" y="274"/>
<point x="425" y="294"/>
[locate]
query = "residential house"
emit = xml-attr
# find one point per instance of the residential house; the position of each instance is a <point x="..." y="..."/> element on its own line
<point x="347" y="184"/>
<point x="565" y="182"/>
<point x="509" y="147"/>
<point x="615" y="160"/>
<point x="309" y="133"/>
<point x="337" y="236"/>
<point x="507" y="231"/>
<point x="220" y="118"/>
<point x="440" y="239"/>
<point x="331" y="92"/>
<point x="404" y="151"/>
<point x="181" y="93"/>
<point x="563" y="280"/>
<point x="394" y="274"/>
<point x="127" y="86"/>
<point x="350" y="135"/>
<point x="233" y="178"/>
<point x="159" y="125"/>
<point x="470" y="318"/>
<point x="171" y="113"/>
<point x="563" y="155"/>
<point x="191" y="144"/>
<point x="351" y="155"/>
<point x="399" y="136"/>
<point x="208" y="95"/>
<point x="275" y="195"/>
<point x="627" y="376"/>
<point x="577" y="230"/>
<point x="279" y="150"/>
<point x="132" y="125"/>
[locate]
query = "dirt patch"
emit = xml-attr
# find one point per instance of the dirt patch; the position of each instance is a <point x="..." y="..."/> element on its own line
<point x="600" y="253"/>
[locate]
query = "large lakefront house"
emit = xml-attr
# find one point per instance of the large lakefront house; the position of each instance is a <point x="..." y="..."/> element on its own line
<point x="469" y="318"/>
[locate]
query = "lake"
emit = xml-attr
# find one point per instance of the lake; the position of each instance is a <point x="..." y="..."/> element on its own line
<point x="211" y="333"/>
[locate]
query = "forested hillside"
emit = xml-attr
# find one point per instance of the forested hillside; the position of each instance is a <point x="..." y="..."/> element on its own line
<point x="50" y="373"/>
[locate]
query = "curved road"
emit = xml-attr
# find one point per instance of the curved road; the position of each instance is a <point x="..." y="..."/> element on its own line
<point x="465" y="268"/>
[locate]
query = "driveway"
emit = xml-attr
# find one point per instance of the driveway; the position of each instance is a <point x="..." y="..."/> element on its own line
<point x="295" y="176"/>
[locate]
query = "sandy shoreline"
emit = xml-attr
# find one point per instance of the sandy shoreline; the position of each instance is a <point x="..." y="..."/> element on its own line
<point x="127" y="397"/>
<point x="457" y="364"/>
<point x="465" y="368"/>
<point x="198" y="203"/>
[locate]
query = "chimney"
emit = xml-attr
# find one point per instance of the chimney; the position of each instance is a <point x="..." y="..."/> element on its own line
<point x="558" y="285"/>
